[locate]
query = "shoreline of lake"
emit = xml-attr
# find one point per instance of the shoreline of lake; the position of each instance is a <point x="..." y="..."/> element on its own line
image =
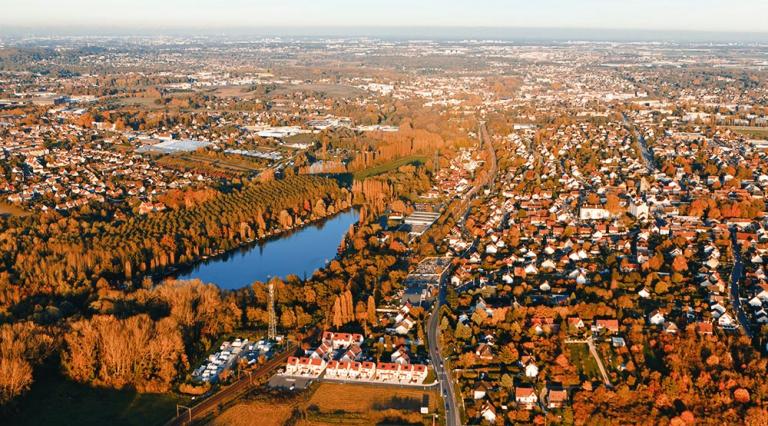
<point x="264" y="259"/>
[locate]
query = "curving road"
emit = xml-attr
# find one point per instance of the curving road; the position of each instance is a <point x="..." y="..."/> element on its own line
<point x="447" y="391"/>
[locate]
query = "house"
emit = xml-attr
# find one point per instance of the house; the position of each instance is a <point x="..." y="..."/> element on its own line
<point x="341" y="340"/>
<point x="556" y="398"/>
<point x="593" y="213"/>
<point x="670" y="327"/>
<point x="367" y="370"/>
<point x="419" y="373"/>
<point x="304" y="366"/>
<point x="332" y="369"/>
<point x="404" y="326"/>
<point x="400" y="356"/>
<point x="612" y="325"/>
<point x="575" y="323"/>
<point x="387" y="372"/>
<point x="484" y="352"/>
<point x="480" y="391"/>
<point x="726" y="321"/>
<point x="656" y="317"/>
<point x="644" y="293"/>
<point x="488" y="413"/>
<point x="526" y="397"/>
<point x="531" y="370"/>
<point x="353" y="353"/>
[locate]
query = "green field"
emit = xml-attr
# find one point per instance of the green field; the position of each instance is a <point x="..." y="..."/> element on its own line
<point x="582" y="359"/>
<point x="55" y="400"/>
<point x="383" y="168"/>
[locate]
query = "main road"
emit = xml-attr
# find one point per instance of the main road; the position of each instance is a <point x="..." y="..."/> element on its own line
<point x="645" y="152"/>
<point x="442" y="368"/>
<point x="447" y="390"/>
<point x="736" y="273"/>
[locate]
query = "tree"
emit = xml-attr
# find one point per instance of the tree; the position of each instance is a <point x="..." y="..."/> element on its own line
<point x="15" y="378"/>
<point x="136" y="352"/>
<point x="679" y="264"/>
<point x="287" y="319"/>
<point x="372" y="319"/>
<point x="336" y="318"/>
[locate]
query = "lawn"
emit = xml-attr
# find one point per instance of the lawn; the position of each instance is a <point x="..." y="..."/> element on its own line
<point x="582" y="359"/>
<point x="12" y="210"/>
<point x="751" y="132"/>
<point x="55" y="400"/>
<point x="383" y="168"/>
<point x="331" y="403"/>
<point x="268" y="414"/>
<point x="364" y="398"/>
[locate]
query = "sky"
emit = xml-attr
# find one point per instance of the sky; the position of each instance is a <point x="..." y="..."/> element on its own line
<point x="678" y="15"/>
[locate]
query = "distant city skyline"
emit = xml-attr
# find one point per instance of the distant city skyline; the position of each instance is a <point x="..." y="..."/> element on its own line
<point x="654" y="15"/>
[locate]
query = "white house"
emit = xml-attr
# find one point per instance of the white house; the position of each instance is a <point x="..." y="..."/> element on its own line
<point x="531" y="370"/>
<point x="593" y="213"/>
<point x="726" y="321"/>
<point x="656" y="318"/>
<point x="488" y="413"/>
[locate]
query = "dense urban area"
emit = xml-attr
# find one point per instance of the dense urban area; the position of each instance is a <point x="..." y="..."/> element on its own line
<point x="545" y="233"/>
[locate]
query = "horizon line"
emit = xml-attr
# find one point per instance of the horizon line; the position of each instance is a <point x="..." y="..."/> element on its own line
<point x="398" y="32"/>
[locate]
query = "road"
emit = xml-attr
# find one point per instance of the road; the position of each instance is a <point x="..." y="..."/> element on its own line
<point x="442" y="369"/>
<point x="462" y="209"/>
<point x="599" y="361"/>
<point x="590" y="342"/>
<point x="452" y="417"/>
<point x="645" y="152"/>
<point x="736" y="274"/>
<point x="235" y="390"/>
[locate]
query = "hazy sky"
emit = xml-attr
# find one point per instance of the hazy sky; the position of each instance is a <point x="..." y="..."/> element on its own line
<point x="701" y="15"/>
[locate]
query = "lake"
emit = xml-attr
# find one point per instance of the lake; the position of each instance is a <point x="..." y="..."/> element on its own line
<point x="300" y="252"/>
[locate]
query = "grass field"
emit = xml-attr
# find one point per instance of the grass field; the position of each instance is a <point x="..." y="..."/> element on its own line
<point x="582" y="359"/>
<point x="12" y="210"/>
<point x="334" y="404"/>
<point x="55" y="400"/>
<point x="230" y="164"/>
<point x="246" y="414"/>
<point x="383" y="168"/>
<point x="331" y="90"/>
<point x="751" y="132"/>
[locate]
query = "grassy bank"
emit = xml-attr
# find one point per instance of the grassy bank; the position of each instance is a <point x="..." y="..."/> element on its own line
<point x="392" y="165"/>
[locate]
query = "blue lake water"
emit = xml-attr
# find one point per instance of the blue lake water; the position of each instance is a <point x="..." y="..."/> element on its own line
<point x="300" y="252"/>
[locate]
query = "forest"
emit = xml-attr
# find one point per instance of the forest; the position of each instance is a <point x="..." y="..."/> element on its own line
<point x="106" y="328"/>
<point x="54" y="255"/>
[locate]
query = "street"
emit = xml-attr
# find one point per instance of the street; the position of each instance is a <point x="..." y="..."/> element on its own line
<point x="736" y="273"/>
<point x="453" y="417"/>
<point x="645" y="152"/>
